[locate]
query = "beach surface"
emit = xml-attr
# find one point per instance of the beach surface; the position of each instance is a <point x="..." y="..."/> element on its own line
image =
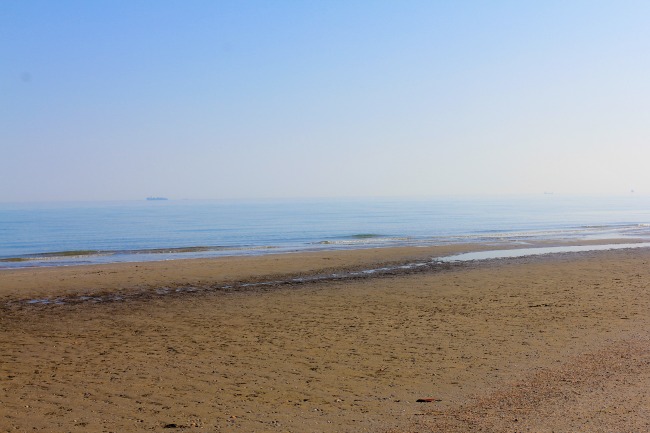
<point x="547" y="343"/>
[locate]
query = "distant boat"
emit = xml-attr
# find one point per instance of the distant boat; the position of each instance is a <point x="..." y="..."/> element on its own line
<point x="157" y="198"/>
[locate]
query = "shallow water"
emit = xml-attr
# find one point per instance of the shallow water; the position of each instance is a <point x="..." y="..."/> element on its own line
<point x="525" y="252"/>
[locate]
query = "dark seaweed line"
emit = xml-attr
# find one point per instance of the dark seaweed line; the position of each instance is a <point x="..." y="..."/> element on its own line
<point x="239" y="286"/>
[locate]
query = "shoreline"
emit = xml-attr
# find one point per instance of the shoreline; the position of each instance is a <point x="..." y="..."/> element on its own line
<point x="87" y="256"/>
<point x="122" y="281"/>
<point x="338" y="356"/>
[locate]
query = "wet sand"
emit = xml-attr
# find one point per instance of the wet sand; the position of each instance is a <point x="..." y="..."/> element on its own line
<point x="551" y="343"/>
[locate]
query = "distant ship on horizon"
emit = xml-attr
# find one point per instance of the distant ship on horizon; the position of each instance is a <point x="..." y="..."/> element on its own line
<point x="156" y="198"/>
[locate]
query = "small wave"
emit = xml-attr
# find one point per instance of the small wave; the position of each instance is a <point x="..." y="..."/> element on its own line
<point x="53" y="256"/>
<point x="363" y="240"/>
<point x="76" y="257"/>
<point x="581" y="231"/>
<point x="71" y="253"/>
<point x="175" y="250"/>
<point x="365" y="236"/>
<point x="615" y="226"/>
<point x="171" y="250"/>
<point x="200" y="249"/>
<point x="611" y="227"/>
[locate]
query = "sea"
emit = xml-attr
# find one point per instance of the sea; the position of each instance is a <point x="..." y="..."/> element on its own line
<point x="77" y="233"/>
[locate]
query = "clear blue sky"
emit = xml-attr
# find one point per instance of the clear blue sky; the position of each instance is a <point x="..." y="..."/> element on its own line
<point x="104" y="100"/>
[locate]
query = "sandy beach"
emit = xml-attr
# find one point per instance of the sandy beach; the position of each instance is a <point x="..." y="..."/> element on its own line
<point x="550" y="343"/>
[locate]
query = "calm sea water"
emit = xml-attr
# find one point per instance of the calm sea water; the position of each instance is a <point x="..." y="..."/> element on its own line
<point x="76" y="233"/>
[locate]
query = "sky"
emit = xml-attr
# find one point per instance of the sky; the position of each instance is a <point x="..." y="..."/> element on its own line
<point x="120" y="100"/>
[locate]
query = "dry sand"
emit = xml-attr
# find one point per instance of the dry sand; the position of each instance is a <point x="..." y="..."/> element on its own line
<point x="555" y="343"/>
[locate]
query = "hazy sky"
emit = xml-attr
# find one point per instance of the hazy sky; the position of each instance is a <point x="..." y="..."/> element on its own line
<point x="220" y="99"/>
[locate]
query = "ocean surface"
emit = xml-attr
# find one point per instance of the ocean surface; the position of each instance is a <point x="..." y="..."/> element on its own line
<point x="61" y="234"/>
